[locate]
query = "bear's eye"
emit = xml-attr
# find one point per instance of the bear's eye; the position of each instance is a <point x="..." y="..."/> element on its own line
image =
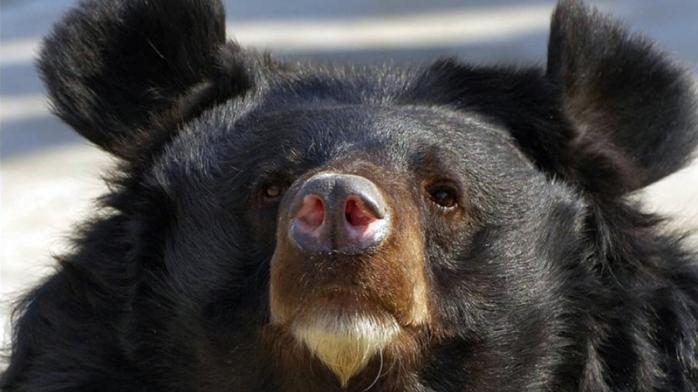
<point x="272" y="192"/>
<point x="444" y="195"/>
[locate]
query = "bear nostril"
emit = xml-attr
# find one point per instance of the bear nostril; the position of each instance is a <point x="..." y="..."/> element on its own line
<point x="311" y="214"/>
<point x="357" y="214"/>
<point x="337" y="212"/>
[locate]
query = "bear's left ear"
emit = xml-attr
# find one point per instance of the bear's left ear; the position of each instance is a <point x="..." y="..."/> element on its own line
<point x="125" y="73"/>
<point x="632" y="110"/>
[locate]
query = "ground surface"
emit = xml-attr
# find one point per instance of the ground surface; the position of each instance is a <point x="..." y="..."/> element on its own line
<point x="50" y="176"/>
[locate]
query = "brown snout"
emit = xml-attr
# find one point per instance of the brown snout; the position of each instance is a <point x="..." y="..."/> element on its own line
<point x="347" y="275"/>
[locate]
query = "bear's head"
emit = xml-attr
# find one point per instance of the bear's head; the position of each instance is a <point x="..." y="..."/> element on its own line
<point x="302" y="227"/>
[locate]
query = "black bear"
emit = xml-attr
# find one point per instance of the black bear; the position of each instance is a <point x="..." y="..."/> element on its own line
<point x="288" y="227"/>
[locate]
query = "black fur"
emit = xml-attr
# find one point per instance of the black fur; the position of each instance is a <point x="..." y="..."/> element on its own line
<point x="554" y="280"/>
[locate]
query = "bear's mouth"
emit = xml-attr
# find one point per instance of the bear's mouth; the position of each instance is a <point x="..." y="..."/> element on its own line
<point x="343" y="332"/>
<point x="342" y="324"/>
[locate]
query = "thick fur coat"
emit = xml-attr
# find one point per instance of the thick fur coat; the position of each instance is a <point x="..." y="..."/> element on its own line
<point x="512" y="260"/>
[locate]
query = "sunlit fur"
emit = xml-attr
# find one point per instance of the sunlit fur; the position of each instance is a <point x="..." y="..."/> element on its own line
<point x="547" y="276"/>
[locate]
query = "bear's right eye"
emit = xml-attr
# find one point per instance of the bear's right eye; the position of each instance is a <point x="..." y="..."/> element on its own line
<point x="272" y="192"/>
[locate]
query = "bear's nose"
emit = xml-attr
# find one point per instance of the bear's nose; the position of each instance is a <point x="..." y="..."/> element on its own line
<point x="338" y="212"/>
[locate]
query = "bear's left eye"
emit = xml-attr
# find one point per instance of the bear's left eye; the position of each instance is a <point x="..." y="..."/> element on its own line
<point x="444" y="195"/>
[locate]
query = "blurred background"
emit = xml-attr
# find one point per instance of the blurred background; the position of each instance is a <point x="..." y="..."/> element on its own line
<point x="49" y="176"/>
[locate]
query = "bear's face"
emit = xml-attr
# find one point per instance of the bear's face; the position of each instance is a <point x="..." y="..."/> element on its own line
<point x="298" y="227"/>
<point x="358" y="229"/>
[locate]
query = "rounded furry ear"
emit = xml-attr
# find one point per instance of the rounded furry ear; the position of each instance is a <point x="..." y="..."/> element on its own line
<point x="633" y="111"/>
<point x="122" y="73"/>
<point x="610" y="114"/>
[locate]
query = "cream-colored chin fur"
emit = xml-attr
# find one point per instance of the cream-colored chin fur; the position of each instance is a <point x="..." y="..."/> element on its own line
<point x="345" y="343"/>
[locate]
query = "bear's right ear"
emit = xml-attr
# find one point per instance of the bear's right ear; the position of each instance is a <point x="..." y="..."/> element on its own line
<point x="124" y="73"/>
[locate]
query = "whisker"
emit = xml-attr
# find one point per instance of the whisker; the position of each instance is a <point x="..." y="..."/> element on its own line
<point x="378" y="376"/>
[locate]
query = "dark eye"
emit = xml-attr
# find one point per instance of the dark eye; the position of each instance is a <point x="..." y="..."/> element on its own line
<point x="444" y="195"/>
<point x="272" y="192"/>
